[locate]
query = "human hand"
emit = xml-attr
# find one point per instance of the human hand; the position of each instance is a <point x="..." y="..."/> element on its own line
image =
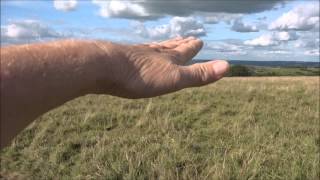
<point x="147" y="70"/>
<point x="41" y="76"/>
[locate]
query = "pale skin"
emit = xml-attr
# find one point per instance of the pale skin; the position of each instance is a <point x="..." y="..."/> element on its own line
<point x="38" y="77"/>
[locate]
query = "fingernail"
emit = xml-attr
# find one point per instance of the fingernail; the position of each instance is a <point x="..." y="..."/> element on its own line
<point x="220" y="67"/>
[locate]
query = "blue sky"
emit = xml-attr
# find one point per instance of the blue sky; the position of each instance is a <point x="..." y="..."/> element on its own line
<point x="243" y="30"/>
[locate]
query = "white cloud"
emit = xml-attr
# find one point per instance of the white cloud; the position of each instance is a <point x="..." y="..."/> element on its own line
<point x="186" y="26"/>
<point x="272" y="39"/>
<point x="65" y="5"/>
<point x="308" y="43"/>
<point x="264" y="40"/>
<point x="226" y="48"/>
<point x="214" y="18"/>
<point x="302" y="18"/>
<point x="153" y="9"/>
<point x="26" y="31"/>
<point x="240" y="26"/>
<point x="285" y="36"/>
<point x="313" y="52"/>
<point x="277" y="52"/>
<point x="121" y="9"/>
<point x="178" y="26"/>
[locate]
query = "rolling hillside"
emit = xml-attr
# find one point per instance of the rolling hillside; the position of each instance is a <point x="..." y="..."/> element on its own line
<point x="305" y="64"/>
<point x="237" y="128"/>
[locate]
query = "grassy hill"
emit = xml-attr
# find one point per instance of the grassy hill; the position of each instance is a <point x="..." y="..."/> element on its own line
<point x="271" y="68"/>
<point x="307" y="64"/>
<point x="238" y="128"/>
<point x="241" y="70"/>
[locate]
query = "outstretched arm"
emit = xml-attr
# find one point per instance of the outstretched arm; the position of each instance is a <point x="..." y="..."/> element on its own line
<point x="38" y="77"/>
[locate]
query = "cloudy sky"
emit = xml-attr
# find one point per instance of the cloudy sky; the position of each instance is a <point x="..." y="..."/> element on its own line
<point x="230" y="29"/>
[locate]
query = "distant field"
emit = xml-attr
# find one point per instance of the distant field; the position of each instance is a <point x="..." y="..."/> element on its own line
<point x="240" y="70"/>
<point x="285" y="71"/>
<point x="309" y="64"/>
<point x="239" y="128"/>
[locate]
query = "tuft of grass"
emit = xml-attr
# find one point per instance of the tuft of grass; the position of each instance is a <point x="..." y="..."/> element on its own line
<point x="237" y="128"/>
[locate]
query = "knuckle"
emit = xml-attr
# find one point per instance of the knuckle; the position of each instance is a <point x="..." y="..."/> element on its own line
<point x="201" y="75"/>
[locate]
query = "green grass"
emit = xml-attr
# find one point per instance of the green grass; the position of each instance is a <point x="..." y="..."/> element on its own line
<point x="285" y="71"/>
<point x="243" y="70"/>
<point x="238" y="128"/>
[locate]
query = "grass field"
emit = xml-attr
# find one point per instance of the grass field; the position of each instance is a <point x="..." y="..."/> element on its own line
<point x="241" y="70"/>
<point x="285" y="71"/>
<point x="238" y="128"/>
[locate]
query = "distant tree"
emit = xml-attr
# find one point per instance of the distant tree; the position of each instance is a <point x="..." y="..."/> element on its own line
<point x="272" y="74"/>
<point x="240" y="70"/>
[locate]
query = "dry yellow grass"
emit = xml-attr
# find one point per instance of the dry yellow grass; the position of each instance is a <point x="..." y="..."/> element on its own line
<point x="237" y="128"/>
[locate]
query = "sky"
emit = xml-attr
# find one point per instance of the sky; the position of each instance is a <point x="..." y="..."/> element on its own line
<point x="265" y="30"/>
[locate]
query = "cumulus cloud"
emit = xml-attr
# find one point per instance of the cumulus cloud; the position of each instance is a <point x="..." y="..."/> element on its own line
<point x="272" y="39"/>
<point x="307" y="43"/>
<point x="282" y="52"/>
<point x="214" y="18"/>
<point x="301" y="18"/>
<point x="226" y="48"/>
<point x="26" y="31"/>
<point x="65" y="5"/>
<point x="264" y="40"/>
<point x="178" y="26"/>
<point x="122" y="9"/>
<point x="285" y="36"/>
<point x="313" y="52"/>
<point x="153" y="9"/>
<point x="240" y="26"/>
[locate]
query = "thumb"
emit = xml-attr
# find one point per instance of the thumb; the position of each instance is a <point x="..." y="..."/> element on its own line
<point x="202" y="73"/>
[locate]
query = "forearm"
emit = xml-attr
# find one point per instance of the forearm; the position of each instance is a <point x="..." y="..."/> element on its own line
<point x="36" y="78"/>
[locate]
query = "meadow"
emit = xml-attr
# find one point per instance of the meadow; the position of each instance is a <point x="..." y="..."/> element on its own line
<point x="285" y="71"/>
<point x="237" y="128"/>
<point x="240" y="70"/>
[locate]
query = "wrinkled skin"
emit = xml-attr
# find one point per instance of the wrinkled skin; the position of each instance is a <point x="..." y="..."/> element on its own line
<point x="157" y="68"/>
<point x="36" y="78"/>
